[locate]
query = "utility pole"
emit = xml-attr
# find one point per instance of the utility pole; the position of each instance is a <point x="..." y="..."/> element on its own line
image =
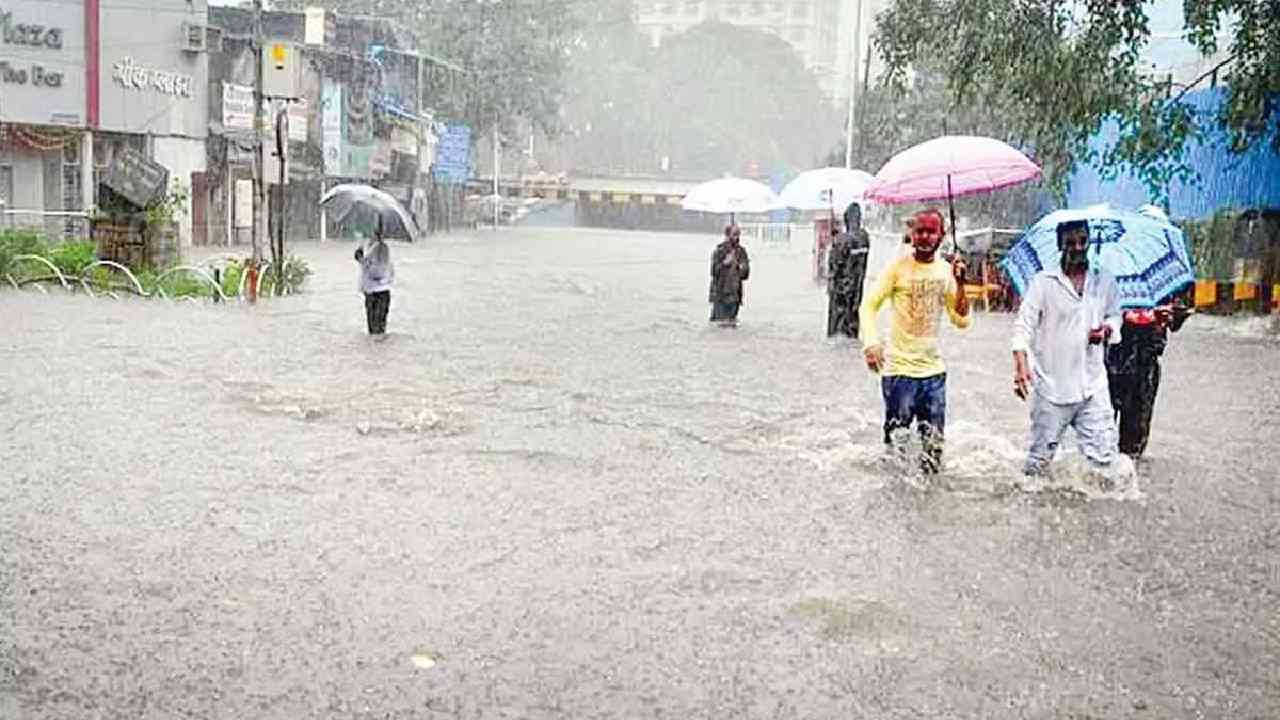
<point x="862" y="108"/>
<point x="259" y="120"/>
<point x="282" y="149"/>
<point x="497" y="169"/>
<point x="855" y="51"/>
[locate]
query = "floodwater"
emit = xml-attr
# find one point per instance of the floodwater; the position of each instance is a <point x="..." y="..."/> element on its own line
<point x="555" y="491"/>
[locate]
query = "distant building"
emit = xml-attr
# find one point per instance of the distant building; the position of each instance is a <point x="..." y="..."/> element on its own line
<point x="359" y="116"/>
<point x="80" y="81"/>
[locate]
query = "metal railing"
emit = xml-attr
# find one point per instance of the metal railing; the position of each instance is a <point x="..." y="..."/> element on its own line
<point x="774" y="233"/>
<point x="68" y="224"/>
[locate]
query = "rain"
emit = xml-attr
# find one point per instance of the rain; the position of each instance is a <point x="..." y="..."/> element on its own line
<point x="565" y="385"/>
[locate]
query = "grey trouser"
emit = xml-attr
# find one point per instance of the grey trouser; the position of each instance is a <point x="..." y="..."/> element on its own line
<point x="1094" y="423"/>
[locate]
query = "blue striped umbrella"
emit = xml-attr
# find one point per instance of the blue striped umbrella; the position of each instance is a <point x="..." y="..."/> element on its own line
<point x="1147" y="256"/>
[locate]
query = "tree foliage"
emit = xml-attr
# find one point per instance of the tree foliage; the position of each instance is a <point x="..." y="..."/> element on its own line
<point x="1058" y="71"/>
<point x="710" y="100"/>
<point x="713" y="99"/>
<point x="890" y="119"/>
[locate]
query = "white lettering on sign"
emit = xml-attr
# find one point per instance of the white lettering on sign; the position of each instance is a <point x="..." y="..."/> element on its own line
<point x="237" y="107"/>
<point x="237" y="111"/>
<point x="136" y="77"/>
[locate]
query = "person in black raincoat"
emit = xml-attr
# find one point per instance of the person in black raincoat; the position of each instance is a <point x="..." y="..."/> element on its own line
<point x="730" y="267"/>
<point x="1133" y="370"/>
<point x="848" y="267"/>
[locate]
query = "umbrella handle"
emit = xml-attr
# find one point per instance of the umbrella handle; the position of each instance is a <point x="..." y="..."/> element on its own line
<point x="951" y="208"/>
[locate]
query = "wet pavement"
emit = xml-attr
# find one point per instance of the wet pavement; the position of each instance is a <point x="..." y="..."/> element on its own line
<point x="555" y="491"/>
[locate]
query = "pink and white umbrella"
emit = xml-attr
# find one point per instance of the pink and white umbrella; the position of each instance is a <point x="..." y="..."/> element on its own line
<point x="949" y="167"/>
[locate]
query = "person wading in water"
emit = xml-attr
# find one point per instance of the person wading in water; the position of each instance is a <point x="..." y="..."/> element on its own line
<point x="730" y="268"/>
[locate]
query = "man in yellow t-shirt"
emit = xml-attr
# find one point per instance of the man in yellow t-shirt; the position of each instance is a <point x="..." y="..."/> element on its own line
<point x="913" y="376"/>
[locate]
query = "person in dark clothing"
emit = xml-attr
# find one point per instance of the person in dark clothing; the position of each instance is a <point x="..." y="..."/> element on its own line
<point x="730" y="267"/>
<point x="848" y="267"/>
<point x="1133" y="370"/>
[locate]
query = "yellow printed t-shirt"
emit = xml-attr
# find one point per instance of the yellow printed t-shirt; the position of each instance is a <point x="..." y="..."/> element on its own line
<point x="919" y="292"/>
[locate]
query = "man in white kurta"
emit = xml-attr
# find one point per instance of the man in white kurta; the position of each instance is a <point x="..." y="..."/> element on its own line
<point x="1067" y="317"/>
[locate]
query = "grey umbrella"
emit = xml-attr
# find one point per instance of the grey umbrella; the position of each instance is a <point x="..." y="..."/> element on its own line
<point x="343" y="199"/>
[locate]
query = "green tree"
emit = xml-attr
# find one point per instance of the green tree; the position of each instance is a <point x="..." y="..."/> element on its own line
<point x="1058" y="71"/>
<point x="733" y="94"/>
<point x="892" y="118"/>
<point x="711" y="100"/>
<point x="611" y="89"/>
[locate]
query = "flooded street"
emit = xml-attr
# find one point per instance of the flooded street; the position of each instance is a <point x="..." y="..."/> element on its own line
<point x="556" y="492"/>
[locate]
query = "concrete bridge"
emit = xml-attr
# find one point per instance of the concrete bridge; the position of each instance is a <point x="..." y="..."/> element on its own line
<point x="631" y="203"/>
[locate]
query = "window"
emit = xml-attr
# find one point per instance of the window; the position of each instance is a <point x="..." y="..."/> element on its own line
<point x="6" y="184"/>
<point x="71" y="174"/>
<point x="6" y="180"/>
<point x="71" y="196"/>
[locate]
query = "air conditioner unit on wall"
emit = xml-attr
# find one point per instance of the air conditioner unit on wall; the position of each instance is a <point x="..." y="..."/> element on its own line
<point x="195" y="38"/>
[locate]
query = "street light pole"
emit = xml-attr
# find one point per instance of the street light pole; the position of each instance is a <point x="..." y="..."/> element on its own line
<point x="259" y="120"/>
<point x="855" y="50"/>
<point x="497" y="168"/>
<point x="282" y="150"/>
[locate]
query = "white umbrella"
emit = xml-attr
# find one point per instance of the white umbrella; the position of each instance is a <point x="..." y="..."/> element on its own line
<point x="830" y="188"/>
<point x="342" y="199"/>
<point x="732" y="195"/>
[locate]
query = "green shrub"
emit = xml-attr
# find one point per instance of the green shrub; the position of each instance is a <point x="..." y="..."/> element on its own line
<point x="147" y="279"/>
<point x="296" y="272"/>
<point x="73" y="257"/>
<point x="174" y="285"/>
<point x="186" y="284"/>
<point x="19" y="242"/>
<point x="231" y="275"/>
<point x="102" y="277"/>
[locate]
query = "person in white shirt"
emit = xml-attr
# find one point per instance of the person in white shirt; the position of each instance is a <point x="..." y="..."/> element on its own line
<point x="1067" y="317"/>
<point x="377" y="275"/>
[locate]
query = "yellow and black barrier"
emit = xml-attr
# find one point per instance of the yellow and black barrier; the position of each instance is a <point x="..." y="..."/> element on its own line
<point x="1229" y="296"/>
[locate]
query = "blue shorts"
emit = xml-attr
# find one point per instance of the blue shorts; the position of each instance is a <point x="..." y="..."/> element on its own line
<point x="920" y="400"/>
